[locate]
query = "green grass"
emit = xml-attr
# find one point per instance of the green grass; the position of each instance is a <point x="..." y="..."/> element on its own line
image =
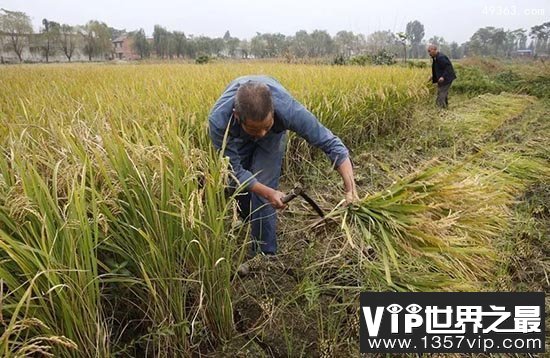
<point x="486" y="75"/>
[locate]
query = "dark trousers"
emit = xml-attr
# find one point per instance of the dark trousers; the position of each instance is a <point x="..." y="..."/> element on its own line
<point x="442" y="99"/>
<point x="263" y="158"/>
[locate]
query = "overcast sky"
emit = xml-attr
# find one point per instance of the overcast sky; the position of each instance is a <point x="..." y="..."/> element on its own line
<point x="454" y="20"/>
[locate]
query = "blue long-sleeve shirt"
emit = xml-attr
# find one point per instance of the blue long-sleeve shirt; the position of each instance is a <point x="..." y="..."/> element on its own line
<point x="289" y="114"/>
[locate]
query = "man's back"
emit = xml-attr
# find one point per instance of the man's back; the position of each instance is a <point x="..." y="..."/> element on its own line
<point x="442" y="67"/>
<point x="289" y="114"/>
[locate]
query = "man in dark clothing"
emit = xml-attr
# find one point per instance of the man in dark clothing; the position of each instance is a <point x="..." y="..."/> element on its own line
<point x="443" y="74"/>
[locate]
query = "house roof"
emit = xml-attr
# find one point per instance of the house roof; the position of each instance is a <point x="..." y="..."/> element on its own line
<point x="120" y="38"/>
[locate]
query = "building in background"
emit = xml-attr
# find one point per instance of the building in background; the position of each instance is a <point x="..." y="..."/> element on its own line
<point x="523" y="53"/>
<point x="122" y="48"/>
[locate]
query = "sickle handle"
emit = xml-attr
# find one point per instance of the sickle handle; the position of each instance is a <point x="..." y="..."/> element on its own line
<point x="289" y="197"/>
<point x="293" y="194"/>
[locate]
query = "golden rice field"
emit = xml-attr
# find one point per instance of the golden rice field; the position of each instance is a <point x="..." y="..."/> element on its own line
<point x="117" y="237"/>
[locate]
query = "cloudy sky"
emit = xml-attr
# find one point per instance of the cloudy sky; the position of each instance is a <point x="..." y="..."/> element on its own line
<point x="454" y="20"/>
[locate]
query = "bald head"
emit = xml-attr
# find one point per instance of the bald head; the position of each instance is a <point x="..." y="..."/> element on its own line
<point x="253" y="101"/>
<point x="254" y="108"/>
<point x="432" y="50"/>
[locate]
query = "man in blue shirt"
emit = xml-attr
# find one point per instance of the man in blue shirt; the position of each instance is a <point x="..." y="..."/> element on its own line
<point x="250" y="122"/>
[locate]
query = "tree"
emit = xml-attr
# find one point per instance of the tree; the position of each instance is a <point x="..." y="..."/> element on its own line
<point x="231" y="45"/>
<point x="345" y="43"/>
<point x="17" y="25"/>
<point x="258" y="46"/>
<point x="203" y="45"/>
<point x="227" y="36"/>
<point x="541" y="34"/>
<point x="217" y="45"/>
<point x="161" y="41"/>
<point x="456" y="50"/>
<point x="440" y="42"/>
<point x="268" y="45"/>
<point x="180" y="43"/>
<point x="482" y="41"/>
<point x="68" y="38"/>
<point x="521" y="38"/>
<point x="51" y="37"/>
<point x="97" y="39"/>
<point x="514" y="41"/>
<point x="321" y="44"/>
<point x="191" y="47"/>
<point x="403" y="38"/>
<point x="381" y="40"/>
<point x="301" y="44"/>
<point x="116" y="32"/>
<point x="498" y="38"/>
<point x="245" y="48"/>
<point x="140" y="44"/>
<point x="436" y="40"/>
<point x="415" y="34"/>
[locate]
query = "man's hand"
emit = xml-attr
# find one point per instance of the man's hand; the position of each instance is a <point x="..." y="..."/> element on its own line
<point x="351" y="197"/>
<point x="440" y="80"/>
<point x="346" y="172"/>
<point x="273" y="196"/>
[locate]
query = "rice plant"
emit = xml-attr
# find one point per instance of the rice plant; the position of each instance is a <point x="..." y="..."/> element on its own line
<point x="435" y="228"/>
<point x="117" y="237"/>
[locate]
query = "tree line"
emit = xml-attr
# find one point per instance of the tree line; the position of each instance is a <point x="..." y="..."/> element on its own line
<point x="94" y="40"/>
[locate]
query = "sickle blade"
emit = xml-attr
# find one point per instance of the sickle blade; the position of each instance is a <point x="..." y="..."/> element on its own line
<point x="313" y="204"/>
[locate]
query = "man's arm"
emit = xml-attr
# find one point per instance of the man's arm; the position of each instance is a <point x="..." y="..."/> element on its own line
<point x="217" y="134"/>
<point x="305" y="124"/>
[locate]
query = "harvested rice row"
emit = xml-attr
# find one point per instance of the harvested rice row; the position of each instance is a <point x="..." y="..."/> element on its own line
<point x="436" y="228"/>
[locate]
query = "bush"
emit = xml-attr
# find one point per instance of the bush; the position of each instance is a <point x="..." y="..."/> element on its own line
<point x="508" y="78"/>
<point x="539" y="86"/>
<point x="361" y="60"/>
<point x="473" y="81"/>
<point x="202" y="59"/>
<point x="339" y="60"/>
<point x="382" y="57"/>
<point x="417" y="64"/>
<point x="489" y="65"/>
<point x="476" y="80"/>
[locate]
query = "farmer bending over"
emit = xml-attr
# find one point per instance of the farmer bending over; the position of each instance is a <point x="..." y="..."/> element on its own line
<point x="256" y="112"/>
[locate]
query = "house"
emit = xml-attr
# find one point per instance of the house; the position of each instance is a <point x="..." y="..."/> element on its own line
<point x="122" y="48"/>
<point x="523" y="53"/>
